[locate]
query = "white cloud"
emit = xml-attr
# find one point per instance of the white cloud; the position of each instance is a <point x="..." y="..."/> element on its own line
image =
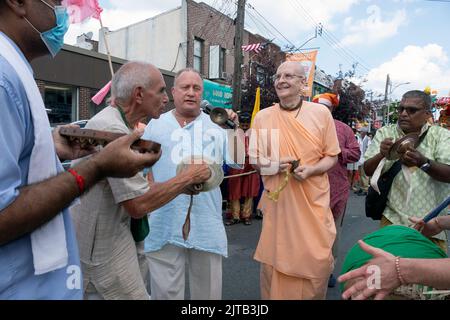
<point x="113" y="19"/>
<point x="296" y="18"/>
<point x="287" y="16"/>
<point x="421" y="66"/>
<point x="121" y="14"/>
<point x="136" y="5"/>
<point x="373" y="29"/>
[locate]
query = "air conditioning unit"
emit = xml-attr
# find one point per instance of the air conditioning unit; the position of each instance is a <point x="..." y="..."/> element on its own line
<point x="224" y="75"/>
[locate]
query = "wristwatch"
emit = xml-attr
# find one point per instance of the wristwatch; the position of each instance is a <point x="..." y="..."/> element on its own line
<point x="426" y="166"/>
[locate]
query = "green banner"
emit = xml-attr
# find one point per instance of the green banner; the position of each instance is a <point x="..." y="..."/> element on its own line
<point x="218" y="95"/>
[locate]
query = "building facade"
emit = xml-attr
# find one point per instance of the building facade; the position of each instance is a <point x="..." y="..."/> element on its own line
<point x="69" y="81"/>
<point x="193" y="35"/>
<point x="322" y="82"/>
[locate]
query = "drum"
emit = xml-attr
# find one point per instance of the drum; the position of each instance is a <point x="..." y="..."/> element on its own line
<point x="403" y="242"/>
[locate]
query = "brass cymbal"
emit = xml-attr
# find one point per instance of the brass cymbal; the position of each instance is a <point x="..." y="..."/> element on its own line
<point x="217" y="174"/>
<point x="402" y="144"/>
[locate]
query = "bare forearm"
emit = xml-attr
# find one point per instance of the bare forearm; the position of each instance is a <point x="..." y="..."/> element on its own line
<point x="39" y="203"/>
<point x="371" y="165"/>
<point x="324" y="165"/>
<point x="444" y="222"/>
<point x="439" y="172"/>
<point x="430" y="272"/>
<point x="158" y="195"/>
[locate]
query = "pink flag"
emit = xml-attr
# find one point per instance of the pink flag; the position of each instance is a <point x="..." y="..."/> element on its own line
<point x="100" y="96"/>
<point x="80" y="10"/>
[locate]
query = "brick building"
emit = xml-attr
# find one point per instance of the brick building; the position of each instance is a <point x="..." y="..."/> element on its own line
<point x="70" y="80"/>
<point x="192" y="35"/>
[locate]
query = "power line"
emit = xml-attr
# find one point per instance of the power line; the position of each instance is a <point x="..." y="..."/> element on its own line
<point x="270" y="24"/>
<point x="332" y="41"/>
<point x="256" y="21"/>
<point x="349" y="59"/>
<point x="221" y="10"/>
<point x="346" y="50"/>
<point x="274" y="28"/>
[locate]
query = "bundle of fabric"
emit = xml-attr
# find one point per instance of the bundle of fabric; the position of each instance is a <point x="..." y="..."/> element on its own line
<point x="327" y="99"/>
<point x="444" y="116"/>
<point x="403" y="242"/>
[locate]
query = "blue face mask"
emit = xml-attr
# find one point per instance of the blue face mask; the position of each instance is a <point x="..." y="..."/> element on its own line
<point x="54" y="38"/>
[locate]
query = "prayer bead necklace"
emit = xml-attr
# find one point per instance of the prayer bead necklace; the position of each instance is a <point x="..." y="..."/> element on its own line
<point x="299" y="107"/>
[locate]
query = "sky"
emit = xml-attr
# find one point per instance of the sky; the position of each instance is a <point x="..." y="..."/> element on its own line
<point x="407" y="39"/>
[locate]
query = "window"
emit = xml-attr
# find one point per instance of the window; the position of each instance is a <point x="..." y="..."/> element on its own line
<point x="217" y="57"/>
<point x="198" y="55"/>
<point x="222" y="61"/>
<point x="93" y="108"/>
<point x="61" y="104"/>
<point x="214" y="62"/>
<point x="261" y="76"/>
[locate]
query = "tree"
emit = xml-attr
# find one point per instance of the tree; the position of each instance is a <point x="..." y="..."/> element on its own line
<point x="393" y="112"/>
<point x="259" y="73"/>
<point x="352" y="104"/>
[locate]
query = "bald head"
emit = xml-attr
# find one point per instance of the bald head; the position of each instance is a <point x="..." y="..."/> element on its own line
<point x="185" y="70"/>
<point x="290" y="81"/>
<point x="130" y="76"/>
<point x="294" y="67"/>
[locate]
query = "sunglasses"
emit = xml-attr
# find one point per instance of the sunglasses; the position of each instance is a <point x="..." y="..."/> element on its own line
<point x="409" y="110"/>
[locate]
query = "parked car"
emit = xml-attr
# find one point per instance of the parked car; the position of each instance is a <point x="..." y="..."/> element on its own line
<point x="81" y="123"/>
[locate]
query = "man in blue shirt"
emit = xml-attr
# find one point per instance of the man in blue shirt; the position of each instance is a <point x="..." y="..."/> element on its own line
<point x="29" y="205"/>
<point x="186" y="132"/>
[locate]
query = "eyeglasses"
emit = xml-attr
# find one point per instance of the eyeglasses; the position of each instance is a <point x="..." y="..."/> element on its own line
<point x="409" y="110"/>
<point x="287" y="77"/>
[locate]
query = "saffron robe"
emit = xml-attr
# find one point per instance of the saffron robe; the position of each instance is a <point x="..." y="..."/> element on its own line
<point x="298" y="230"/>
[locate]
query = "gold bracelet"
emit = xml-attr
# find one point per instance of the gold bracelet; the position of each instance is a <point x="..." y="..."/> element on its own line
<point x="397" y="268"/>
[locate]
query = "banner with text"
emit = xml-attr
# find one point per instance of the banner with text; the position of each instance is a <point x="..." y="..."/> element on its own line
<point x="308" y="60"/>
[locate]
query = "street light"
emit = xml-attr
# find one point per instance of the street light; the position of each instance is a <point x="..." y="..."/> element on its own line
<point x="396" y="86"/>
<point x="392" y="88"/>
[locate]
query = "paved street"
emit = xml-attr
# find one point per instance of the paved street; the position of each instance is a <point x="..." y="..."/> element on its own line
<point x="241" y="272"/>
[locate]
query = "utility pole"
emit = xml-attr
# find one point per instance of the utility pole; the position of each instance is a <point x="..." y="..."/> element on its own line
<point x="386" y="94"/>
<point x="238" y="57"/>
<point x="371" y="114"/>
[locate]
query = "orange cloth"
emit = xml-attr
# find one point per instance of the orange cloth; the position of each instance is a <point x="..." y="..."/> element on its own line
<point x="298" y="230"/>
<point x="278" y="286"/>
<point x="327" y="99"/>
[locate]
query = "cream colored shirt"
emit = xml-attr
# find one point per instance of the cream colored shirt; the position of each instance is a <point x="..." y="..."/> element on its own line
<point x="107" y="248"/>
<point x="426" y="192"/>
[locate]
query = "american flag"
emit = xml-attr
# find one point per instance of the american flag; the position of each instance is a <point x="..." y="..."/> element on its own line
<point x="256" y="47"/>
